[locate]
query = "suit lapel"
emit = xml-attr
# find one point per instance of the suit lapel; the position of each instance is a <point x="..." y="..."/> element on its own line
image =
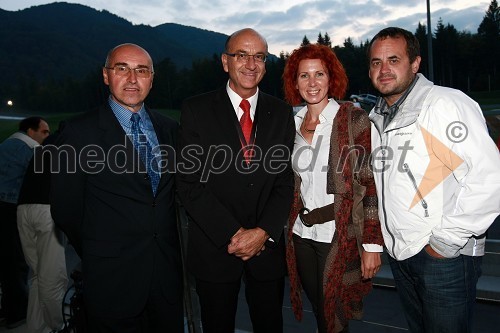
<point x="112" y="132"/>
<point x="224" y="120"/>
<point x="264" y="125"/>
<point x="113" y="136"/>
<point x="166" y="140"/>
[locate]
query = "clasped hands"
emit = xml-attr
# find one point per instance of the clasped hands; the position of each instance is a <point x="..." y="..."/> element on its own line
<point x="247" y="243"/>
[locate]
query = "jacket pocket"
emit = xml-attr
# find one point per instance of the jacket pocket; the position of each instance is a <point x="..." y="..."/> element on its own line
<point x="406" y="168"/>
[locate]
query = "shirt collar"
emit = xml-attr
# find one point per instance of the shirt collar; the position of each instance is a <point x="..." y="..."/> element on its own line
<point x="382" y="108"/>
<point x="390" y="112"/>
<point x="328" y="113"/>
<point x="236" y="99"/>
<point x="123" y="114"/>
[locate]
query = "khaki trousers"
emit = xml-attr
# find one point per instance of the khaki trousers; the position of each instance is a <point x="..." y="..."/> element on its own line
<point x="44" y="250"/>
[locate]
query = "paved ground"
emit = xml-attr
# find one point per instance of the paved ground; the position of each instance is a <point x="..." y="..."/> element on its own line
<point x="383" y="314"/>
<point x="383" y="311"/>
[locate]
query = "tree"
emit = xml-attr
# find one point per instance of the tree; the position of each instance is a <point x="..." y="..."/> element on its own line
<point x="354" y="60"/>
<point x="489" y="36"/>
<point x="305" y="41"/>
<point x="490" y="26"/>
<point x="446" y="53"/>
<point x="320" y="40"/>
<point x="421" y="35"/>
<point x="327" y="40"/>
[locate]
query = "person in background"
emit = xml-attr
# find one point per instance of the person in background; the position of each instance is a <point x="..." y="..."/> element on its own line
<point x="43" y="246"/>
<point x="239" y="211"/>
<point x="322" y="250"/>
<point x="15" y="155"/>
<point x="437" y="173"/>
<point x="117" y="206"/>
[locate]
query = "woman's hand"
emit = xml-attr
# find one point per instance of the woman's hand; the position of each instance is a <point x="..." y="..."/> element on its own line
<point x="370" y="264"/>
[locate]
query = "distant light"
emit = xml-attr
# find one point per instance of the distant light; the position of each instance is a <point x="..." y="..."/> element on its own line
<point x="10" y="103"/>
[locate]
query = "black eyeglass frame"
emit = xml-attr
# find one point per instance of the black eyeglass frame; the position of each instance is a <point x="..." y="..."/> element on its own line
<point x="244" y="57"/>
<point x="138" y="74"/>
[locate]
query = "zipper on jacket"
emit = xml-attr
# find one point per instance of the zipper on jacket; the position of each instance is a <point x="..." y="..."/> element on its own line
<point x="384" y="211"/>
<point x="422" y="200"/>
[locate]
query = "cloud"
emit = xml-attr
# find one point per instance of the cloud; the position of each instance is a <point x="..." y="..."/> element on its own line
<point x="285" y="22"/>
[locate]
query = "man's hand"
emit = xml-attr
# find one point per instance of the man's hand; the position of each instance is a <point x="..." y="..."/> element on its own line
<point x="370" y="264"/>
<point x="247" y="243"/>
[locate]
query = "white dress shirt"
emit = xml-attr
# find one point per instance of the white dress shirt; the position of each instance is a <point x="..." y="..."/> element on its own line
<point x="236" y="100"/>
<point x="310" y="162"/>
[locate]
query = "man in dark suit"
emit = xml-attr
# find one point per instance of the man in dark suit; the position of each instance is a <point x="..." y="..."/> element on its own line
<point x="119" y="213"/>
<point x="235" y="181"/>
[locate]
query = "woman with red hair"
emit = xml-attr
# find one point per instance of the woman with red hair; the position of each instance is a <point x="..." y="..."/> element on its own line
<point x="323" y="255"/>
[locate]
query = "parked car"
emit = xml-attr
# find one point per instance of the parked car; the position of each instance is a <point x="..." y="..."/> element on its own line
<point x="364" y="98"/>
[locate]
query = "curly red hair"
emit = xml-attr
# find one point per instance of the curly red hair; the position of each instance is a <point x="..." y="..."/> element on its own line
<point x="336" y="72"/>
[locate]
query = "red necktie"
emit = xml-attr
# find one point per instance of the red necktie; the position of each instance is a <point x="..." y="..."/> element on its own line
<point x="245" y="120"/>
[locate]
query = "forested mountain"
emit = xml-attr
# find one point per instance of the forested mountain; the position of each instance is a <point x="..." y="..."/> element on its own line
<point x="61" y="40"/>
<point x="51" y="57"/>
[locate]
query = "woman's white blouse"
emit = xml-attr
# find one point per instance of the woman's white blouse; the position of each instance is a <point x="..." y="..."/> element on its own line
<point x="310" y="162"/>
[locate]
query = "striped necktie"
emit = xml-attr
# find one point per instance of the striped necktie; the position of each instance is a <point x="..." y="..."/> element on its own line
<point x="143" y="147"/>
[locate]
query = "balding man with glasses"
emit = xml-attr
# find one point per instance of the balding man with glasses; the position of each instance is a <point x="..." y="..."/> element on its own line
<point x="240" y="199"/>
<point x="117" y="206"/>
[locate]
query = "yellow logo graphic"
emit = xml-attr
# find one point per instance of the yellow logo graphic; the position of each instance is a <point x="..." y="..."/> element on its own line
<point x="442" y="162"/>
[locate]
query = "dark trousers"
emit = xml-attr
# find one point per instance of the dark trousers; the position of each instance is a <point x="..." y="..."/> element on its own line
<point x="13" y="267"/>
<point x="218" y="303"/>
<point x="437" y="294"/>
<point x="158" y="316"/>
<point x="310" y="257"/>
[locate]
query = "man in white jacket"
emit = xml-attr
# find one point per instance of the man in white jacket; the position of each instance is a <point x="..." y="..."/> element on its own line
<point x="437" y="173"/>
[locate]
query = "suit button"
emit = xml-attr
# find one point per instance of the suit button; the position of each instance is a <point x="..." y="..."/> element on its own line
<point x="250" y="184"/>
<point x="153" y="204"/>
<point x="146" y="177"/>
<point x="155" y="235"/>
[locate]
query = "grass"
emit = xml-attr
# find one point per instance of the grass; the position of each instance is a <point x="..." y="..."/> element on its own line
<point x="487" y="100"/>
<point x="8" y="127"/>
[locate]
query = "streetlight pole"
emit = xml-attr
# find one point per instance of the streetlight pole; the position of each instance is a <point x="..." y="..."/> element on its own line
<point x="429" y="42"/>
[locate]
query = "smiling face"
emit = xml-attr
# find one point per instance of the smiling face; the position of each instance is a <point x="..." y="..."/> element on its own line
<point x="390" y="69"/>
<point x="313" y="82"/>
<point x="129" y="91"/>
<point x="244" y="77"/>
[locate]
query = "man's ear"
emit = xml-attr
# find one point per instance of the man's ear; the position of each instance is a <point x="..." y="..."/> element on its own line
<point x="105" y="76"/>
<point x="224" y="62"/>
<point x="30" y="132"/>
<point x="416" y="64"/>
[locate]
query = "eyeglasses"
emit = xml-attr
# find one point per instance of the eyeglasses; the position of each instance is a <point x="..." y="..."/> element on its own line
<point x="243" y="57"/>
<point x="122" y="70"/>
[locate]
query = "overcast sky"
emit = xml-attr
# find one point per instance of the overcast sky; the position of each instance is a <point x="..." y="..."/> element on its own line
<point x="285" y="22"/>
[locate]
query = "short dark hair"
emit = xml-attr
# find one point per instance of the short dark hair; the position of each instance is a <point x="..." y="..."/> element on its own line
<point x="30" y="122"/>
<point x="412" y="44"/>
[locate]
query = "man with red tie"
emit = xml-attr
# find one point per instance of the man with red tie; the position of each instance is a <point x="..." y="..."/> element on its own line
<point x="235" y="180"/>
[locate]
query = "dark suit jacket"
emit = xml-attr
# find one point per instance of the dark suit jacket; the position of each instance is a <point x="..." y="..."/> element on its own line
<point x="123" y="234"/>
<point x="222" y="201"/>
